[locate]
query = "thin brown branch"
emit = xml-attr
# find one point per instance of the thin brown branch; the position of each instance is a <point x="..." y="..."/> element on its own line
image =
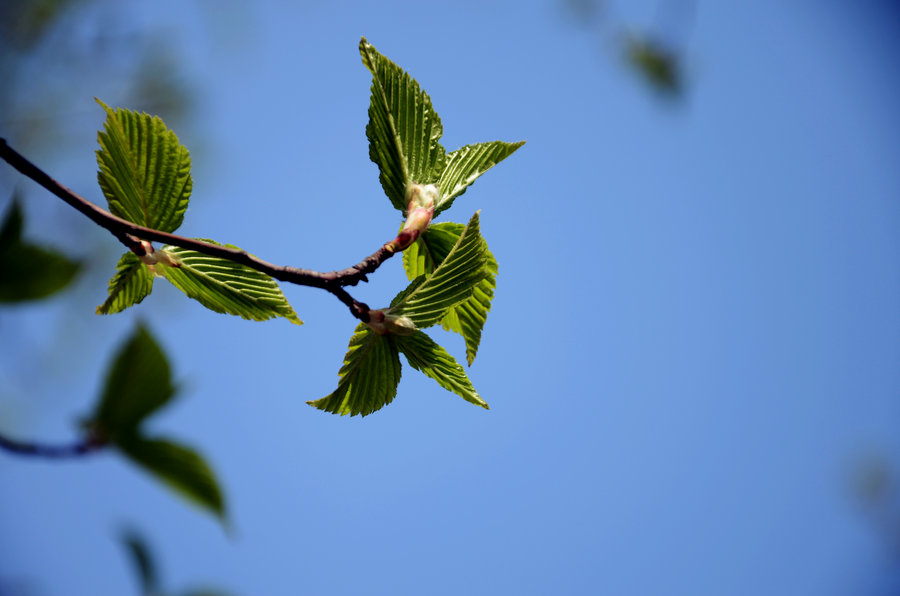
<point x="51" y="451"/>
<point x="131" y="234"/>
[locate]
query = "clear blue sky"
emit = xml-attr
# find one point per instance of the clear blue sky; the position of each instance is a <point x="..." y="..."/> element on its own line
<point x="694" y="344"/>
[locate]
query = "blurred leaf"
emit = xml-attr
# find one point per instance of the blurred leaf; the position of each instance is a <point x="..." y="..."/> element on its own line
<point x="132" y="283"/>
<point x="656" y="65"/>
<point x="143" y="562"/>
<point x="227" y="287"/>
<point x="466" y="164"/>
<point x="469" y="316"/>
<point x="29" y="272"/>
<point x="453" y="281"/>
<point x="368" y="378"/>
<point x="180" y="468"/>
<point x="145" y="173"/>
<point x="138" y="384"/>
<point x="425" y="355"/>
<point x="404" y="131"/>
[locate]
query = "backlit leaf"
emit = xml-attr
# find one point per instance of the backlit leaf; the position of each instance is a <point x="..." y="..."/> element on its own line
<point x="466" y="164"/>
<point x="425" y="355"/>
<point x="132" y="283"/>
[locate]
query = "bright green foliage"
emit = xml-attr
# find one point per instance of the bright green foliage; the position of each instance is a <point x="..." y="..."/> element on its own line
<point x="468" y="163"/>
<point x="137" y="385"/>
<point x="469" y="316"/>
<point x="177" y="466"/>
<point x="27" y="271"/>
<point x="368" y="378"/>
<point x="404" y="131"/>
<point x="404" y="135"/>
<point x="425" y="355"/>
<point x="453" y="280"/>
<point x="132" y="283"/>
<point x="145" y="173"/>
<point x="227" y="287"/>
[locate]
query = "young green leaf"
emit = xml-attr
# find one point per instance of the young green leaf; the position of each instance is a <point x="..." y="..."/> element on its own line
<point x="425" y="355"/>
<point x="178" y="467"/>
<point x="466" y="164"/>
<point x="27" y="271"/>
<point x="145" y="173"/>
<point x="404" y="131"/>
<point x="138" y="384"/>
<point x="469" y="316"/>
<point x="453" y="281"/>
<point x="227" y="287"/>
<point x="368" y="378"/>
<point x="132" y="283"/>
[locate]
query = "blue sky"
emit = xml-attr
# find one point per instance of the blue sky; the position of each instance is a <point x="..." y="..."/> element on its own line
<point x="693" y="345"/>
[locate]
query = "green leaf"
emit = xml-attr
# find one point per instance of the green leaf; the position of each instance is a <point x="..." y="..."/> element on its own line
<point x="145" y="173"/>
<point x="469" y="316"/>
<point x="138" y="384"/>
<point x="368" y="378"/>
<point x="227" y="287"/>
<point x="466" y="164"/>
<point x="453" y="281"/>
<point x="143" y="562"/>
<point x="132" y="283"/>
<point x="404" y="131"/>
<point x="425" y="355"/>
<point x="180" y="468"/>
<point x="27" y="271"/>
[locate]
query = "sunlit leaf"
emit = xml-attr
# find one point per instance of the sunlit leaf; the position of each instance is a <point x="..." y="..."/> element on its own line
<point x="138" y="383"/>
<point x="453" y="281"/>
<point x="27" y="271"/>
<point x="404" y="131"/>
<point x="145" y="173"/>
<point x="227" y="287"/>
<point x="425" y="355"/>
<point x="466" y="164"/>
<point x="368" y="378"/>
<point x="469" y="316"/>
<point x="132" y="283"/>
<point x="180" y="468"/>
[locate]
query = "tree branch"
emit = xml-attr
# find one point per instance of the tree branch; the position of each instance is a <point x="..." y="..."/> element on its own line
<point x="52" y="451"/>
<point x="130" y="234"/>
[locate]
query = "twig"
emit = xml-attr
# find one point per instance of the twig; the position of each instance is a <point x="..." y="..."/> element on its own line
<point x="130" y="234"/>
<point x="51" y="451"/>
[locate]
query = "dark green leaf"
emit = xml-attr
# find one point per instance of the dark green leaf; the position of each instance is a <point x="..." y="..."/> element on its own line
<point x="404" y="131"/>
<point x="143" y="562"/>
<point x="368" y="378"/>
<point x="425" y="355"/>
<point x="145" y="173"/>
<point x="466" y="164"/>
<point x="132" y="283"/>
<point x="138" y="384"/>
<point x="180" y="468"/>
<point x="659" y="67"/>
<point x="227" y="287"/>
<point x="453" y="281"/>
<point x="27" y="271"/>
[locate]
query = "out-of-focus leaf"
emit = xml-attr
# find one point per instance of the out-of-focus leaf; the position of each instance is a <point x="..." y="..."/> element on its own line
<point x="656" y="65"/>
<point x="132" y="283"/>
<point x="404" y="131"/>
<point x="368" y="378"/>
<point x="466" y="164"/>
<point x="138" y="383"/>
<point x="180" y="468"/>
<point x="143" y="562"/>
<point x="227" y="287"/>
<point x="29" y="272"/>
<point x="469" y="316"/>
<point x="425" y="355"/>
<point x="145" y="173"/>
<point x="453" y="281"/>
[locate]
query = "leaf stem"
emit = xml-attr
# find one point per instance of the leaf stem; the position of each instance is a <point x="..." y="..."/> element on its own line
<point x="83" y="447"/>
<point x="131" y="234"/>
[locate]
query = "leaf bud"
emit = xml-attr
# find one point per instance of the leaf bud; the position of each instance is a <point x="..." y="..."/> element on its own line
<point x="386" y="324"/>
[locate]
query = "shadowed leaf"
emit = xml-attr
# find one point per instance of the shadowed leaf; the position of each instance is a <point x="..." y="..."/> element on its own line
<point x="132" y="283"/>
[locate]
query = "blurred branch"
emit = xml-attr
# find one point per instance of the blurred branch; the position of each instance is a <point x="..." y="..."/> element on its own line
<point x="84" y="447"/>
